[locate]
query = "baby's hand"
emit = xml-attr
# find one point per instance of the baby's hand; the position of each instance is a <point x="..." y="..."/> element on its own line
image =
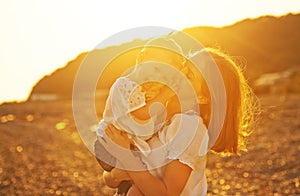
<point x="117" y="136"/>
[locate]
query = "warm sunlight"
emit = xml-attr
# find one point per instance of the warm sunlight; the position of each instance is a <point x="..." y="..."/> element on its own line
<point x="38" y="37"/>
<point x="158" y="97"/>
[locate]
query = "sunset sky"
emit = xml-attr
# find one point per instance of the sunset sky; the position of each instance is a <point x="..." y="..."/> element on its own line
<point x="39" y="36"/>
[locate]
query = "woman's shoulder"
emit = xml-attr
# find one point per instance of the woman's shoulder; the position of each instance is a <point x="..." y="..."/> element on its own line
<point x="185" y="134"/>
<point x="183" y="123"/>
<point x="186" y="139"/>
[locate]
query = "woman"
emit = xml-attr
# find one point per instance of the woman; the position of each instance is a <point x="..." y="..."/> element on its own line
<point x="184" y="155"/>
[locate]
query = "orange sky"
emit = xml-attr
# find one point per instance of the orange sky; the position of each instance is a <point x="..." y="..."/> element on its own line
<point x="37" y="36"/>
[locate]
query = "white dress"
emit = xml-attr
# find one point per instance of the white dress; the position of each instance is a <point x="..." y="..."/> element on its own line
<point x="188" y="150"/>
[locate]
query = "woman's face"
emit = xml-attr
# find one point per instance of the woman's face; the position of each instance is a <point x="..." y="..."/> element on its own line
<point x="171" y="58"/>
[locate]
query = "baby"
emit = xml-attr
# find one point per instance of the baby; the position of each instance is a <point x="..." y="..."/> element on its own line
<point x="144" y="111"/>
<point x="133" y="108"/>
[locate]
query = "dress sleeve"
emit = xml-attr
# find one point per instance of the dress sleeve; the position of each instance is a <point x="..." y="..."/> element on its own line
<point x="101" y="128"/>
<point x="186" y="138"/>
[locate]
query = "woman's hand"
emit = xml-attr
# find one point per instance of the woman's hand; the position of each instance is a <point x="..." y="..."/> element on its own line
<point x="117" y="136"/>
<point x="176" y="175"/>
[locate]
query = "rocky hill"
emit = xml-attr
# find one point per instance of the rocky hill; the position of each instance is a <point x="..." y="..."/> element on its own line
<point x="262" y="45"/>
<point x="266" y="44"/>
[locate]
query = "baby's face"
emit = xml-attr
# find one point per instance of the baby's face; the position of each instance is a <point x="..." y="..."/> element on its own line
<point x="165" y="101"/>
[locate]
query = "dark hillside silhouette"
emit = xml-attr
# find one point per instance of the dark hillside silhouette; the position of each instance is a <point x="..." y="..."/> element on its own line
<point x="262" y="45"/>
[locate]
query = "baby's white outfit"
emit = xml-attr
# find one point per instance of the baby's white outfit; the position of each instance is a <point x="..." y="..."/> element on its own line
<point x="184" y="137"/>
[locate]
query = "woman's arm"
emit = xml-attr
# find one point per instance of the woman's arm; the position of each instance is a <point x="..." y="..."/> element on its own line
<point x="174" y="179"/>
<point x="134" y="191"/>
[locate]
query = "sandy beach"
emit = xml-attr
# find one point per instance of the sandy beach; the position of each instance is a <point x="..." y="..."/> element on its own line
<point x="41" y="153"/>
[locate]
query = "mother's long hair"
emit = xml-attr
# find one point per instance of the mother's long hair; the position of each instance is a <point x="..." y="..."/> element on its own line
<point x="242" y="105"/>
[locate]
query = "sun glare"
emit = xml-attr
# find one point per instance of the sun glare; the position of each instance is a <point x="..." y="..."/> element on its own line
<point x="35" y="40"/>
